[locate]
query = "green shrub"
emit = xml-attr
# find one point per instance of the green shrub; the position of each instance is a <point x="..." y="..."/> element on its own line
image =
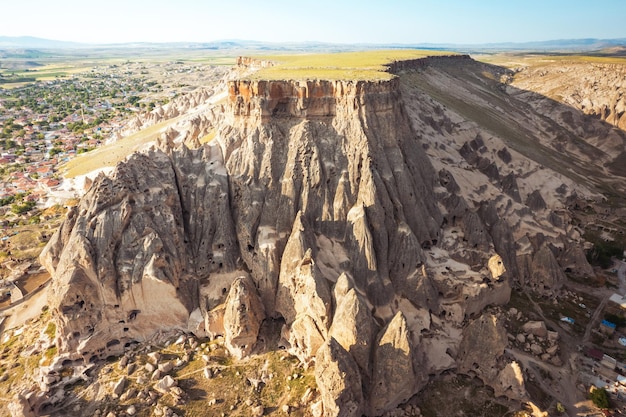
<point x="600" y="398"/>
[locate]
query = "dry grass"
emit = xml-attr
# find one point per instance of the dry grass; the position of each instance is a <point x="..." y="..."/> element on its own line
<point x="368" y="65"/>
<point x="208" y="137"/>
<point x="109" y="155"/>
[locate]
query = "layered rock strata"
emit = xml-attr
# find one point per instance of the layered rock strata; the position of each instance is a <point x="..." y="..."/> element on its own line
<point x="317" y="204"/>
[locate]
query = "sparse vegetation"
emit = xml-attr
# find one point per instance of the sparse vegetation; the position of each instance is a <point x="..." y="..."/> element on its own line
<point x="603" y="250"/>
<point x="368" y="65"/>
<point x="559" y="408"/>
<point x="600" y="398"/>
<point x="459" y="395"/>
<point x="51" y="330"/>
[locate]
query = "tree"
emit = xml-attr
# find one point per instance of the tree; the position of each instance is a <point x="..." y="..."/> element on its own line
<point x="22" y="208"/>
<point x="600" y="398"/>
<point x="55" y="151"/>
<point x="559" y="408"/>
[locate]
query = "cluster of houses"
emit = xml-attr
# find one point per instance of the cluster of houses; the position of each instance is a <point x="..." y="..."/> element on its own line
<point x="608" y="372"/>
<point x="35" y="180"/>
<point x="32" y="168"/>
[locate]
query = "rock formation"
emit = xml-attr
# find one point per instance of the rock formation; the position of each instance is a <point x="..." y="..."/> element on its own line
<point x="330" y="205"/>
<point x="242" y="318"/>
<point x="482" y="347"/>
<point x="354" y="328"/>
<point x="339" y="381"/>
<point x="393" y="379"/>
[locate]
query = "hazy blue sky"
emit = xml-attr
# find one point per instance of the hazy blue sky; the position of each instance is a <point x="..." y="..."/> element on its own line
<point x="341" y="21"/>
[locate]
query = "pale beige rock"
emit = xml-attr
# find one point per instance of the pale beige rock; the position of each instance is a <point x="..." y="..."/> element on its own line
<point x="166" y="367"/>
<point x="553" y="336"/>
<point x="496" y="266"/>
<point x="304" y="338"/>
<point x="338" y="380"/>
<point x="154" y="357"/>
<point x="393" y="377"/>
<point x="342" y="286"/>
<point x="354" y="329"/>
<point x="302" y="289"/>
<point x="119" y="386"/>
<point x="242" y="317"/>
<point x="536" y="328"/>
<point x="165" y="384"/>
<point x="373" y="186"/>
<point x="214" y="321"/>
<point x="511" y="382"/>
<point x="20" y="407"/>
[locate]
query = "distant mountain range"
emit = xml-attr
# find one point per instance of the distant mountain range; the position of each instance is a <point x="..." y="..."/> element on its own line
<point x="564" y="45"/>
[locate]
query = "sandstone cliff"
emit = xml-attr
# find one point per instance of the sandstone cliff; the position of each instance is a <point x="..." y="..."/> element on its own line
<point x="338" y="207"/>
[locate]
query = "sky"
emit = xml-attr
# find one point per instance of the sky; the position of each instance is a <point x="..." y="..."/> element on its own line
<point x="336" y="21"/>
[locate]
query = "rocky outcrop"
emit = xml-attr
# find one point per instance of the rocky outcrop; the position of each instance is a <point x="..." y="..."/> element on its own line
<point x="496" y="266"/>
<point x="481" y="353"/>
<point x="482" y="347"/>
<point x="547" y="275"/>
<point x="242" y="318"/>
<point x="535" y="201"/>
<point x="354" y="328"/>
<point x="592" y="88"/>
<point x="339" y="381"/>
<point x="319" y="204"/>
<point x="393" y="379"/>
<point x="511" y="383"/>
<point x="574" y="261"/>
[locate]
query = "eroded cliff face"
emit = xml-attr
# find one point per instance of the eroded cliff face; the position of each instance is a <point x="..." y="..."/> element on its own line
<point x="318" y="201"/>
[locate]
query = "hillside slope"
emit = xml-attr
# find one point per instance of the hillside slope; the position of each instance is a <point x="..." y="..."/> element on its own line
<point x="378" y="223"/>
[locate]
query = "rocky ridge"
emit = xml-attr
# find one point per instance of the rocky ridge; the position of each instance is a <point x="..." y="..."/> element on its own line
<point x="375" y="223"/>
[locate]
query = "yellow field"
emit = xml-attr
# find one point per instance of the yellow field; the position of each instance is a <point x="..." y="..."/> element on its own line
<point x="367" y="65"/>
<point x="109" y="155"/>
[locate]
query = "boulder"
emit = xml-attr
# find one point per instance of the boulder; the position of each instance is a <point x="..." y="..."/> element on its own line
<point x="510" y="383"/>
<point x="154" y="357"/>
<point x="165" y="367"/>
<point x="119" y="386"/>
<point x="536" y="328"/>
<point x="164" y="385"/>
<point x="496" y="266"/>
